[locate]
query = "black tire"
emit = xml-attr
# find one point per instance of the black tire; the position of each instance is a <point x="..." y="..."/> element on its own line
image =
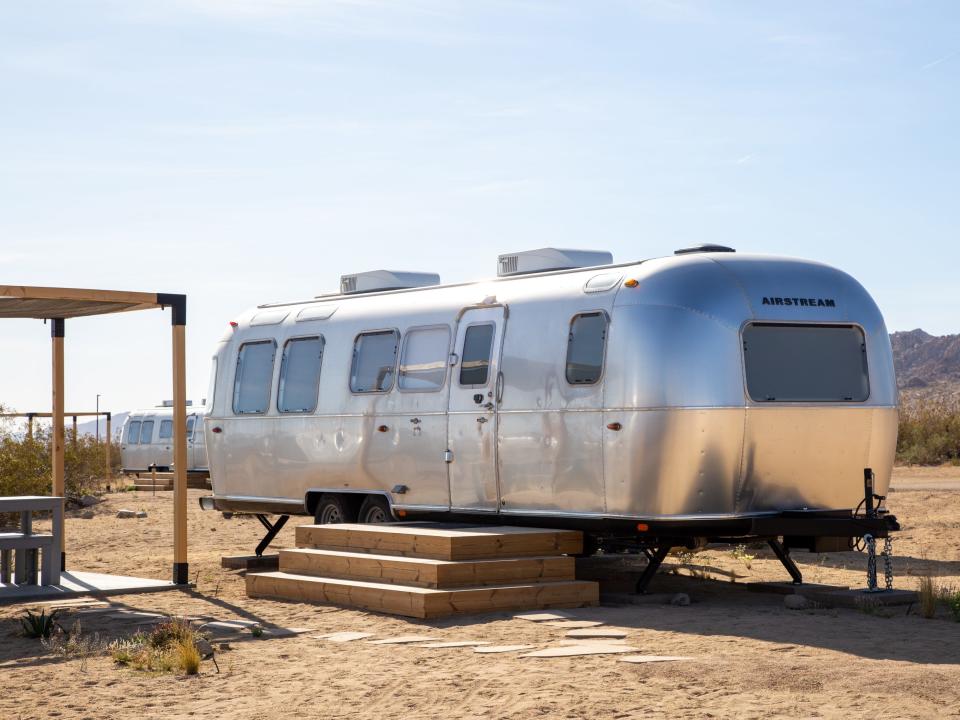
<point x="374" y="510"/>
<point x="333" y="509"/>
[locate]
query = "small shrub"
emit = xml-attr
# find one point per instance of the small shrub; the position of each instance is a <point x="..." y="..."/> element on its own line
<point x="256" y="631"/>
<point x="74" y="644"/>
<point x="740" y="553"/>
<point x="928" y="597"/>
<point x="39" y="626"/>
<point x="929" y="432"/>
<point x="169" y="647"/>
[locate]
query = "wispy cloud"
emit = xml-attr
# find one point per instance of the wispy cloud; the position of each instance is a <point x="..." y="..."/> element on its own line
<point x="939" y="61"/>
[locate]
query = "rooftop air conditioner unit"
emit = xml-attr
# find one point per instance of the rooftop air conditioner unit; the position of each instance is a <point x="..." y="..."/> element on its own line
<point x="545" y="259"/>
<point x="379" y="280"/>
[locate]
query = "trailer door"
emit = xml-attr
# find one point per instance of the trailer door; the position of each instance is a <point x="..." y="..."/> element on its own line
<point x="472" y="421"/>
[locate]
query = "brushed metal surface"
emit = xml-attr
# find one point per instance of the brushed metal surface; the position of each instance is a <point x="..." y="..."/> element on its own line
<point x="691" y="443"/>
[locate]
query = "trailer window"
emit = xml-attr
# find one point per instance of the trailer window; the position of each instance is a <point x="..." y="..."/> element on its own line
<point x="805" y="363"/>
<point x="146" y="432"/>
<point x="300" y="375"/>
<point x="475" y="365"/>
<point x="190" y="422"/>
<point x="423" y="366"/>
<point x="166" y="429"/>
<point x="585" y="348"/>
<point x="374" y="361"/>
<point x="133" y="432"/>
<point x="251" y="386"/>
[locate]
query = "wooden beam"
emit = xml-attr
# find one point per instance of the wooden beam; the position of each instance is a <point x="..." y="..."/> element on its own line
<point x="57" y="440"/>
<point x="74" y="438"/>
<point x="121" y="297"/>
<point x="180" y="565"/>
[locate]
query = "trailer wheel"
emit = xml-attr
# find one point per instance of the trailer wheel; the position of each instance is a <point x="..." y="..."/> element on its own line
<point x="375" y="510"/>
<point x="333" y="509"/>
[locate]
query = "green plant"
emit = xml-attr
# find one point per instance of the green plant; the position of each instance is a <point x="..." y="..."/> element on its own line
<point x="740" y="553"/>
<point x="929" y="432"/>
<point x="39" y="626"/>
<point x="256" y="631"/>
<point x="952" y="600"/>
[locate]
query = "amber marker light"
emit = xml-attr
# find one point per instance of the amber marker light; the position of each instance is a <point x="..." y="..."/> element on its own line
<point x="631" y="283"/>
<point x="402" y="513"/>
<point x="642" y="527"/>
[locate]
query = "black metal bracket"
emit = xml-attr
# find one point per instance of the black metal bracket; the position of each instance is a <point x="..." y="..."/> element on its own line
<point x="272" y="530"/>
<point x="783" y="555"/>
<point x="654" y="561"/>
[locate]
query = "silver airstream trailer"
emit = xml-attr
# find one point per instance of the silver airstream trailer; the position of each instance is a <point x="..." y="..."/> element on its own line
<point x="147" y="435"/>
<point x="703" y="396"/>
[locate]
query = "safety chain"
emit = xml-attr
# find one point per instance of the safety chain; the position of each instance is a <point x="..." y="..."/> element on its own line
<point x="871" y="562"/>
<point x="888" y="562"/>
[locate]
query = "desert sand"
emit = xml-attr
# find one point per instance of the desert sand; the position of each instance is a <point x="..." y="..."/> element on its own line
<point x="749" y="656"/>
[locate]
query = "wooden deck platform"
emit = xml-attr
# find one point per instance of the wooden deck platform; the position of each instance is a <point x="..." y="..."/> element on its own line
<point x="427" y="570"/>
<point x="79" y="584"/>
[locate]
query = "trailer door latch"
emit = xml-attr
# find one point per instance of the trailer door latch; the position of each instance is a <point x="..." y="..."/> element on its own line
<point x="448" y="456"/>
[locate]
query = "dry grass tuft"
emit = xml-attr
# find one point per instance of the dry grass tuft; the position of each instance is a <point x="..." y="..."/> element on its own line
<point x="928" y="597"/>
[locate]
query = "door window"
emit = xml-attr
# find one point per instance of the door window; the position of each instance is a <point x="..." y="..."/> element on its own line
<point x="585" y="348"/>
<point x="475" y="363"/>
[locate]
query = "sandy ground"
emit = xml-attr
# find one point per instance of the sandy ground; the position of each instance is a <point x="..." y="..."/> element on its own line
<point x="751" y="657"/>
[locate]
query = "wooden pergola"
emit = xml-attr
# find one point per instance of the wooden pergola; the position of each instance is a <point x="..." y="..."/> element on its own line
<point x="59" y="304"/>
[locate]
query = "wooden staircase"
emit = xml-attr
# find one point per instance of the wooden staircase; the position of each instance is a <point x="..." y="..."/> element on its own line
<point x="427" y="570"/>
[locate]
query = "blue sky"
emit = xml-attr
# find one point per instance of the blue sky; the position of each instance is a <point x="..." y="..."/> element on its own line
<point x="243" y="151"/>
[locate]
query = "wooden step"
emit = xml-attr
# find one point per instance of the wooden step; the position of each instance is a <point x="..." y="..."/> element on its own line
<point x="441" y="542"/>
<point x="420" y="602"/>
<point x="425" y="572"/>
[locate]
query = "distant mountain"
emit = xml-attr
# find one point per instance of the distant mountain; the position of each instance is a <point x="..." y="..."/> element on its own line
<point x="927" y="364"/>
<point x="89" y="427"/>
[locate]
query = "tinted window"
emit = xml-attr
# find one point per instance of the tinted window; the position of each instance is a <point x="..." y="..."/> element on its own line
<point x="300" y="375"/>
<point x="251" y="387"/>
<point x="146" y="432"/>
<point x="585" y="347"/>
<point x="812" y="363"/>
<point x="166" y="429"/>
<point x="190" y="421"/>
<point x="133" y="432"/>
<point x="424" y="362"/>
<point x="374" y="360"/>
<point x="475" y="364"/>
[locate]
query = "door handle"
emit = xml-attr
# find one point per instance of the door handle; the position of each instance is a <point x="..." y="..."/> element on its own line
<point x="487" y="406"/>
<point x="499" y="390"/>
<point x="481" y="420"/>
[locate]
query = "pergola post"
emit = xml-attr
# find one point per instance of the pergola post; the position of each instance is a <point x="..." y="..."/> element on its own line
<point x="74" y="443"/>
<point x="57" y="439"/>
<point x="178" y="306"/>
<point x="108" y="469"/>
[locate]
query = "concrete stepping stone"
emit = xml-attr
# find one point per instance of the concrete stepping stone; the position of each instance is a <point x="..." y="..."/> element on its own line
<point x="593" y="641"/>
<point x="652" y="658"/>
<point x="455" y="644"/>
<point x="342" y="637"/>
<point x="601" y="632"/>
<point x="403" y="640"/>
<point x="542" y="616"/>
<point x="580" y="649"/>
<point x="502" y="648"/>
<point x="574" y="624"/>
<point x="285" y="632"/>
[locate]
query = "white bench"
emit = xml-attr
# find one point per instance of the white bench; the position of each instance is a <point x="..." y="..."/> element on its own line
<point x="25" y="544"/>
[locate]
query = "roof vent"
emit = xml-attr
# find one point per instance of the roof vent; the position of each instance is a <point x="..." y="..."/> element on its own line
<point x="545" y="259"/>
<point x="703" y="249"/>
<point x="377" y="280"/>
